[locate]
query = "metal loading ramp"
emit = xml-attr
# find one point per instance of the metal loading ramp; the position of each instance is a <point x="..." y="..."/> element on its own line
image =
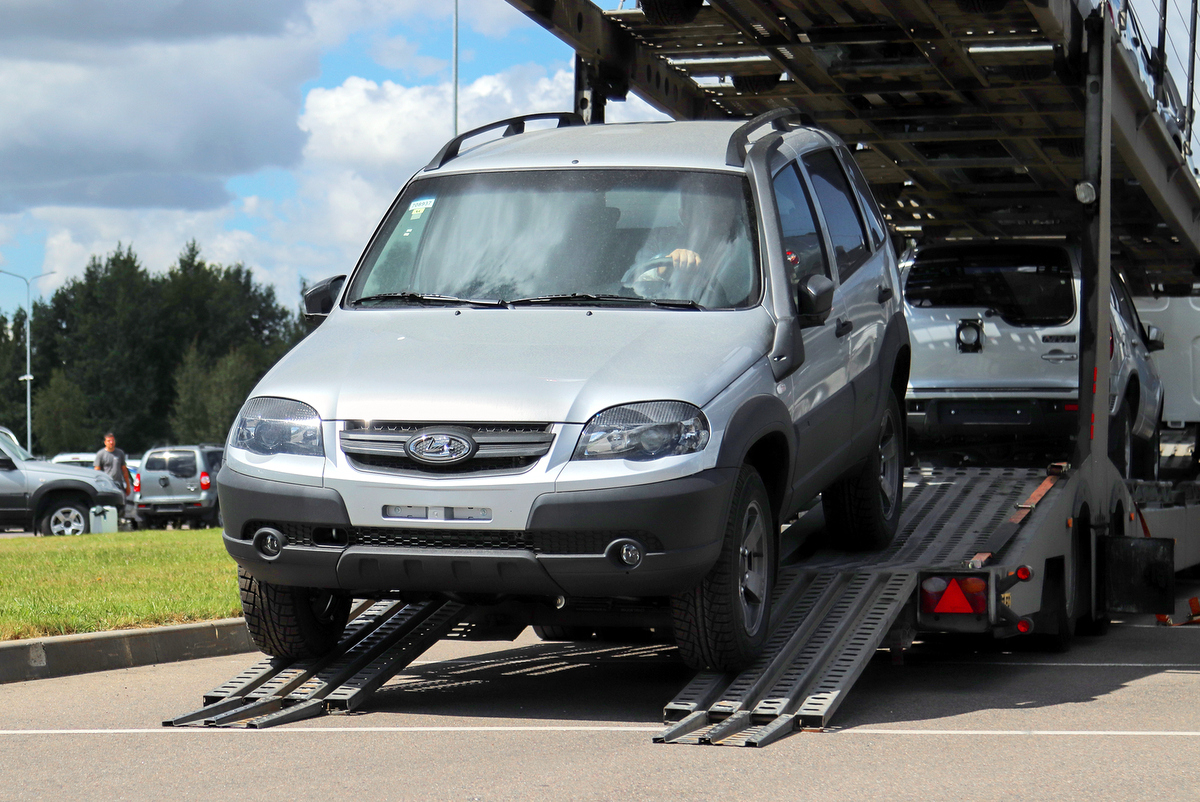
<point x="834" y="611"/>
<point x="378" y="644"/>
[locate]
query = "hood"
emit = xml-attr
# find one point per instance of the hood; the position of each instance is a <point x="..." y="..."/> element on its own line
<point x="58" y="470"/>
<point x="532" y="365"/>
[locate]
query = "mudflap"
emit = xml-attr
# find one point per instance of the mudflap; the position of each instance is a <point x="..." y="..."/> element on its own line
<point x="1138" y="574"/>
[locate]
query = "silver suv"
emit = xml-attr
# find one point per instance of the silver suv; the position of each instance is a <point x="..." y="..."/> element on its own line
<point x="582" y="374"/>
<point x="48" y="498"/>
<point x="995" y="330"/>
<point x="175" y="484"/>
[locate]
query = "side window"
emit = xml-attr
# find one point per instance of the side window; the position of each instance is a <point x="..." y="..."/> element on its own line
<point x="869" y="206"/>
<point x="841" y="212"/>
<point x="1125" y="304"/>
<point x="803" y="250"/>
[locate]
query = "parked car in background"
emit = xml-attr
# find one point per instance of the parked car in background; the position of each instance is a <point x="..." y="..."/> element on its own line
<point x="995" y="352"/>
<point x="50" y="498"/>
<point x="177" y="484"/>
<point x="80" y="459"/>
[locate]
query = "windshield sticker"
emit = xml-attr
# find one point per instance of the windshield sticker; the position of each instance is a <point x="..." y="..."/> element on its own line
<point x="418" y="207"/>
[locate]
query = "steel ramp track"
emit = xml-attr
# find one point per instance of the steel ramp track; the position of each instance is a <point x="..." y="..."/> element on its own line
<point x="833" y="612"/>
<point x="377" y="645"/>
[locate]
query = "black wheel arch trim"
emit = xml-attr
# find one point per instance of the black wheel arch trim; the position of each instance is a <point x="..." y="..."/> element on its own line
<point x="759" y="417"/>
<point x="74" y="486"/>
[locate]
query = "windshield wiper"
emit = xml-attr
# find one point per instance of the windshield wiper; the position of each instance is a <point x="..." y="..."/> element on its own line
<point x="586" y="298"/>
<point x="425" y="298"/>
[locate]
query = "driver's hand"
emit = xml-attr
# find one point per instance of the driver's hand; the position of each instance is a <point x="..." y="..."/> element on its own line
<point x="682" y="258"/>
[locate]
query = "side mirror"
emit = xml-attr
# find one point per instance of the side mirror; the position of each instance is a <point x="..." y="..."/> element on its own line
<point x="1154" y="339"/>
<point x="320" y="297"/>
<point x="814" y="299"/>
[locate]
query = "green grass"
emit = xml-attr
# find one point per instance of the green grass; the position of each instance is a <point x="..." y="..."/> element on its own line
<point x="124" y="580"/>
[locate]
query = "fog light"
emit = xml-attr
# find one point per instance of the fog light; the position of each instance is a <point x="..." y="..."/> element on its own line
<point x="269" y="542"/>
<point x="970" y="336"/>
<point x="1085" y="192"/>
<point x="625" y="553"/>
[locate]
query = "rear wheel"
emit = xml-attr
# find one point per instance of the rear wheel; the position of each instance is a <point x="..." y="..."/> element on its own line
<point x="292" y="622"/>
<point x="722" y="623"/>
<point x="1120" y="441"/>
<point x="1147" y="453"/>
<point x="64" y="518"/>
<point x="863" y="510"/>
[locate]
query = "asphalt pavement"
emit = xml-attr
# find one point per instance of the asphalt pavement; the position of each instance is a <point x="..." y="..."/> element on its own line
<point x="1117" y="717"/>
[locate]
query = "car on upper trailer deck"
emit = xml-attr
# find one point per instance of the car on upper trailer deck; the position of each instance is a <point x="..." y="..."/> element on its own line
<point x="995" y="338"/>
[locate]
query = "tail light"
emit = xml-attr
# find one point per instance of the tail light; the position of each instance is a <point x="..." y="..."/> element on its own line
<point x="954" y="594"/>
<point x="205" y="482"/>
<point x="1111" y="347"/>
<point x="137" y="483"/>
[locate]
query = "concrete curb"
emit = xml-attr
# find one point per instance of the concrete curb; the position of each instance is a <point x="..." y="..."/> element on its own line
<point x="43" y="658"/>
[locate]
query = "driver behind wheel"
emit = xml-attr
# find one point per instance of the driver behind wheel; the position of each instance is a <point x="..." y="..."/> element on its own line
<point x="689" y="260"/>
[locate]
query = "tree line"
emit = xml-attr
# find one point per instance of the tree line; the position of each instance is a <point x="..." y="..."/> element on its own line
<point x="155" y="358"/>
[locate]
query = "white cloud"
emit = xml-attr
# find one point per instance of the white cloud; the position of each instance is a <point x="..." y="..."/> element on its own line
<point x="397" y="53"/>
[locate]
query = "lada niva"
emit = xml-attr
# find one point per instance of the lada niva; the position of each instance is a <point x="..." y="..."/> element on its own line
<point x="581" y="375"/>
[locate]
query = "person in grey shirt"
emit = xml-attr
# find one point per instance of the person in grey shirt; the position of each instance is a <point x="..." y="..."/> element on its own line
<point x="111" y="460"/>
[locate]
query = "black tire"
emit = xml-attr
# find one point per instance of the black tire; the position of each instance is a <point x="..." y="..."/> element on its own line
<point x="292" y="622"/>
<point x="722" y="623"/>
<point x="670" y="12"/>
<point x="1148" y="453"/>
<point x="753" y="84"/>
<point x="64" y="518"/>
<point x="550" y="632"/>
<point x="862" y="511"/>
<point x="1120" y="441"/>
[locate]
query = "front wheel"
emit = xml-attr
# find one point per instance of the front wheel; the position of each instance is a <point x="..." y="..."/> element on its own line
<point x="722" y="623"/>
<point x="292" y="622"/>
<point x="64" y="518"/>
<point x="863" y="510"/>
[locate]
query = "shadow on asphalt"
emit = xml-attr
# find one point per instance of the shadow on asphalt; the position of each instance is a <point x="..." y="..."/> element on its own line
<point x="611" y="682"/>
<point x="591" y="681"/>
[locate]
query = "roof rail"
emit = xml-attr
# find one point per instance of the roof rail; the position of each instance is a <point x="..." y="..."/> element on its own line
<point x="779" y="119"/>
<point x="512" y="126"/>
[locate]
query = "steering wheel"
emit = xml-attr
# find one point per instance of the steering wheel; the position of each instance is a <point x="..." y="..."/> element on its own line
<point x="641" y="269"/>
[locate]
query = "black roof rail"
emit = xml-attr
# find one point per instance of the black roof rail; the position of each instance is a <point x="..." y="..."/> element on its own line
<point x="779" y="119"/>
<point x="512" y="126"/>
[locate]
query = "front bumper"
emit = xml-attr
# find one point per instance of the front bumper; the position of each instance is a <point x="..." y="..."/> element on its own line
<point x="564" y="549"/>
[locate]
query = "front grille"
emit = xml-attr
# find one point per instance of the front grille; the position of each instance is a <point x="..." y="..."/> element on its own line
<point x="503" y="448"/>
<point x="541" y="542"/>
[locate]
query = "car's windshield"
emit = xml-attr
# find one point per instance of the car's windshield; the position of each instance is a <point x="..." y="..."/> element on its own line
<point x="1025" y="285"/>
<point x="506" y="236"/>
<point x="14" y="449"/>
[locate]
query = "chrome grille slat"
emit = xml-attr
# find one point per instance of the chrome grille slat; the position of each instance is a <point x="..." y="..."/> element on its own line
<point x="502" y="448"/>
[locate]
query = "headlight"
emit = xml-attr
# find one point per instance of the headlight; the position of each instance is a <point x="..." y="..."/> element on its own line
<point x="277" y="426"/>
<point x="644" y="432"/>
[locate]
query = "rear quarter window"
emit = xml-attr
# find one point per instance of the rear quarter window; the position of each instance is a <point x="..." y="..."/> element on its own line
<point x="1024" y="286"/>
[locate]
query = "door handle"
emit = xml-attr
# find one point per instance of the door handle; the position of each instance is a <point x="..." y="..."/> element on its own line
<point x="1060" y="356"/>
<point x="843" y="327"/>
<point x="885" y="294"/>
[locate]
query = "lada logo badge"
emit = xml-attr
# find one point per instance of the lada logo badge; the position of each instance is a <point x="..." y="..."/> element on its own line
<point x="440" y="448"/>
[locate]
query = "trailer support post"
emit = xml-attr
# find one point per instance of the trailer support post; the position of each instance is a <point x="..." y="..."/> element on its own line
<point x="591" y="92"/>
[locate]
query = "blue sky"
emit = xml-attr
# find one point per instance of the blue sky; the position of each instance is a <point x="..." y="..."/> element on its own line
<point x="273" y="134"/>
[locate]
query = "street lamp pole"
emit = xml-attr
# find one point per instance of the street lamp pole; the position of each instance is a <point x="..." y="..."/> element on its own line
<point x="28" y="377"/>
